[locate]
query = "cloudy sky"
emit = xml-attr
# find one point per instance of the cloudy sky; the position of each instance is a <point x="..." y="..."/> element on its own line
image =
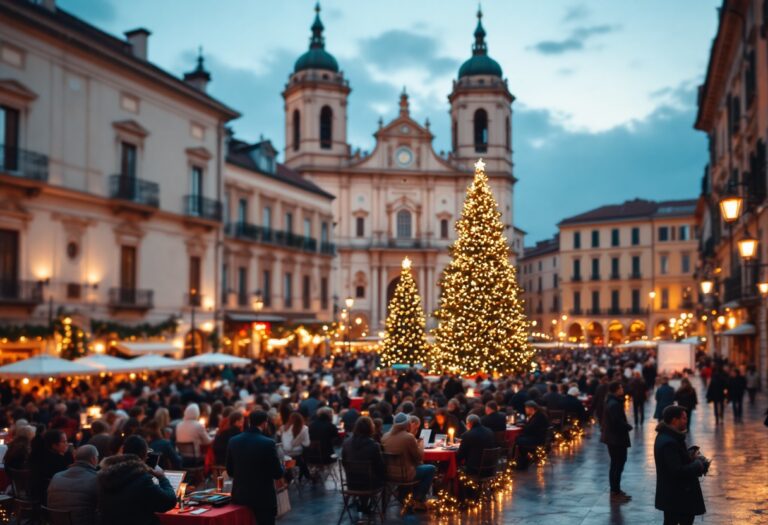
<point x="606" y="89"/>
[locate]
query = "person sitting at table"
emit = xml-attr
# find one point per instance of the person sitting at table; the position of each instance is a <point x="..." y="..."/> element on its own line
<point x="52" y="457"/>
<point x="169" y="458"/>
<point x="475" y="440"/>
<point x="323" y="431"/>
<point x="253" y="464"/>
<point x="349" y="417"/>
<point x="400" y="442"/>
<point x="295" y="439"/>
<point x="190" y="430"/>
<point x="533" y="435"/>
<point x="127" y="493"/>
<point x="454" y="408"/>
<point x="493" y="419"/>
<point x="552" y="399"/>
<point x="20" y="449"/>
<point x="361" y="447"/>
<point x="573" y="406"/>
<point x="76" y="489"/>
<point x="101" y="438"/>
<point x="228" y="429"/>
<point x="442" y="422"/>
<point x="414" y="425"/>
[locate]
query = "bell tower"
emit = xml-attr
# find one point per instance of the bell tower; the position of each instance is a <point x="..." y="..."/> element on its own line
<point x="481" y="110"/>
<point x="316" y="107"/>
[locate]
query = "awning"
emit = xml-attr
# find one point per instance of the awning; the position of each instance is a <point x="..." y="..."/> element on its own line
<point x="253" y="318"/>
<point x="638" y="344"/>
<point x="45" y="366"/>
<point x="102" y="362"/>
<point x="742" y="329"/>
<point x="153" y="362"/>
<point x="144" y="348"/>
<point x="215" y="359"/>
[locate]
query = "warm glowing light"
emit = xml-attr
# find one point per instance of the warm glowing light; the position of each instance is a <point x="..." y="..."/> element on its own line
<point x="763" y="287"/>
<point x="178" y="343"/>
<point x="730" y="207"/>
<point x="721" y="319"/>
<point x="534" y="323"/>
<point x="358" y="321"/>
<point x="706" y="287"/>
<point x="349" y="302"/>
<point x="731" y="322"/>
<point x="564" y="317"/>
<point x="67" y="320"/>
<point x="208" y="303"/>
<point x="747" y="247"/>
<point x="25" y="380"/>
<point x="480" y="165"/>
<point x="652" y="294"/>
<point x="406" y="265"/>
<point x="207" y="326"/>
<point x="554" y="322"/>
<point x="99" y="348"/>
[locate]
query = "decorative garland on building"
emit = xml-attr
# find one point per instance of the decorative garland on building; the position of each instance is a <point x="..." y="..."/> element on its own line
<point x="121" y="331"/>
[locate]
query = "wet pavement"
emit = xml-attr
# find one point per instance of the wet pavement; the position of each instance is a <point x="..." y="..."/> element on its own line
<point x="573" y="487"/>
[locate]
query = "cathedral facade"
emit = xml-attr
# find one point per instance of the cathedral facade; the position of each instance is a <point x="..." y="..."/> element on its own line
<point x="403" y="198"/>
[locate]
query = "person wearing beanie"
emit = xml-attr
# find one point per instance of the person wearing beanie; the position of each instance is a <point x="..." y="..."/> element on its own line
<point x="398" y="441"/>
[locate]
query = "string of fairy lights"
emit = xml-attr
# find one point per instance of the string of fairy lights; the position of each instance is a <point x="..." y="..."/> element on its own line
<point x="482" y="326"/>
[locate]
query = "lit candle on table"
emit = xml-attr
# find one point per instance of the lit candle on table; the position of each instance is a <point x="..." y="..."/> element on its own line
<point x="450" y="435"/>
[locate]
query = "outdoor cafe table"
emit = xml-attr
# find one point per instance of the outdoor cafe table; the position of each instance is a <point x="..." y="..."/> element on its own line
<point x="356" y="403"/>
<point x="443" y="455"/>
<point x="511" y="434"/>
<point x="227" y="515"/>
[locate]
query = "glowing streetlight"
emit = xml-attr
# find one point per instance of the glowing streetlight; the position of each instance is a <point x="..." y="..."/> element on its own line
<point x="707" y="286"/>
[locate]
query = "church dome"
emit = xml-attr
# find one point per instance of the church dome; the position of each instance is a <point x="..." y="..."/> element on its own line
<point x="480" y="63"/>
<point x="316" y="57"/>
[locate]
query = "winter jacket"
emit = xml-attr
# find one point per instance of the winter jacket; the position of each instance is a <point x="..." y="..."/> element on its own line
<point x="128" y="495"/>
<point x="614" y="430"/>
<point x="76" y="490"/>
<point x="665" y="396"/>
<point x="364" y="449"/>
<point x="677" y="475"/>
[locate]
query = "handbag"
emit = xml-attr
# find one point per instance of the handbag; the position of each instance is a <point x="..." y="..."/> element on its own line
<point x="283" y="502"/>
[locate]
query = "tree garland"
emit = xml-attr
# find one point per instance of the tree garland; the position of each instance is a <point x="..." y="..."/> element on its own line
<point x="121" y="331"/>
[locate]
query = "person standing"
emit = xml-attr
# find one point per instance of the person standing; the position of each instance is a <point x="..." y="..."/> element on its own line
<point x="737" y="384"/>
<point x="686" y="397"/>
<point x="253" y="464"/>
<point x="665" y="396"/>
<point x="615" y="434"/>
<point x="753" y="383"/>
<point x="678" y="493"/>
<point x="639" y="394"/>
<point x="716" y="392"/>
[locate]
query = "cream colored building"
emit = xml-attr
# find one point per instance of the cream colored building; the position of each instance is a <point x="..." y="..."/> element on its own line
<point x="627" y="271"/>
<point x="539" y="275"/>
<point x="110" y="177"/>
<point x="403" y="198"/>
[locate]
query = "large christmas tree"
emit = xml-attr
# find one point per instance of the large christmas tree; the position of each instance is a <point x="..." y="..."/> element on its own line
<point x="482" y="326"/>
<point x="405" y="341"/>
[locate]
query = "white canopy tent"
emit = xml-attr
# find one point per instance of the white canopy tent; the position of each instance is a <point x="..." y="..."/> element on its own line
<point x="45" y="366"/>
<point x="742" y="329"/>
<point x="638" y="344"/>
<point x="102" y="362"/>
<point x="153" y="362"/>
<point x="147" y="348"/>
<point x="215" y="359"/>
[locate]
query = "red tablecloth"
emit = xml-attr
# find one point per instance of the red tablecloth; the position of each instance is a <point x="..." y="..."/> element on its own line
<point x="440" y="455"/>
<point x="511" y="434"/>
<point x="226" y="515"/>
<point x="356" y="403"/>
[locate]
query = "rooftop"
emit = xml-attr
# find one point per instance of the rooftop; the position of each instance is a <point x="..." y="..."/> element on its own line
<point x="542" y="248"/>
<point x="637" y="208"/>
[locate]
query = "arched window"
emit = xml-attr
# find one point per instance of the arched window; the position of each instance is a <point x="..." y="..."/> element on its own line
<point x="508" y="131"/>
<point x="403" y="224"/>
<point x="481" y="131"/>
<point x="443" y="228"/>
<point x="296" y="130"/>
<point x="455" y="136"/>
<point x="326" y="127"/>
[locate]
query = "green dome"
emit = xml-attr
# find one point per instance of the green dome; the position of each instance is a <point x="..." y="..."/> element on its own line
<point x="480" y="63"/>
<point x="317" y="57"/>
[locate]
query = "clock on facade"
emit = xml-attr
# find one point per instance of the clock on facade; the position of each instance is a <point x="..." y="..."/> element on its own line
<point x="404" y="157"/>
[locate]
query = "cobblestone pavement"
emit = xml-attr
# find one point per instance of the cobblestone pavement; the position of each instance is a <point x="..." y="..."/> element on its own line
<point x="573" y="488"/>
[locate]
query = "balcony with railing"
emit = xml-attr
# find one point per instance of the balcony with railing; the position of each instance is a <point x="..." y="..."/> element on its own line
<point x="130" y="299"/>
<point x="615" y="276"/>
<point x="15" y="292"/>
<point x="635" y="276"/>
<point x="576" y="278"/>
<point x="260" y="234"/>
<point x="576" y="311"/>
<point x="23" y="164"/>
<point x="595" y="277"/>
<point x="131" y="189"/>
<point x="327" y="248"/>
<point x="202" y="207"/>
<point x="735" y="289"/>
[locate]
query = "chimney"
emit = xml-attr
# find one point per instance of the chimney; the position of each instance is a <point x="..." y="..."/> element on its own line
<point x="50" y="5"/>
<point x="138" y="40"/>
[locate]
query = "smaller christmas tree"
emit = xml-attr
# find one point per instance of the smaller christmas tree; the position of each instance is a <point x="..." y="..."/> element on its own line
<point x="405" y="341"/>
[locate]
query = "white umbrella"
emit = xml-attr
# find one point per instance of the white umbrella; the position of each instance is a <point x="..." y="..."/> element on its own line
<point x="152" y="362"/>
<point x="102" y="362"/>
<point x="215" y="359"/>
<point x="639" y="344"/>
<point x="45" y="366"/>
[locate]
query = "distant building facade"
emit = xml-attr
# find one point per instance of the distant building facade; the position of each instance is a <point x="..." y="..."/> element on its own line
<point x="627" y="271"/>
<point x="539" y="275"/>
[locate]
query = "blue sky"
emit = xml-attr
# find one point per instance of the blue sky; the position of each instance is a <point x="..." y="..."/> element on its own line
<point x="606" y="89"/>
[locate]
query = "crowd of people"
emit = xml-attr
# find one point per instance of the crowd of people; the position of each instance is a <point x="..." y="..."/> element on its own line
<point x="252" y="417"/>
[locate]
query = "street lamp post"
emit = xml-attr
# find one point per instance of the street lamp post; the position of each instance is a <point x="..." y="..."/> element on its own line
<point x="349" y="302"/>
<point x="193" y="299"/>
<point x="652" y="301"/>
<point x="707" y="287"/>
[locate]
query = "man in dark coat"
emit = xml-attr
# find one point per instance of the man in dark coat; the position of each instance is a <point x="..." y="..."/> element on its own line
<point x="473" y="442"/>
<point x="639" y="394"/>
<point x="718" y="384"/>
<point x="665" y="396"/>
<point x="77" y="489"/>
<point x="533" y="435"/>
<point x="325" y="432"/>
<point x="614" y="432"/>
<point x="493" y="419"/>
<point x="678" y="493"/>
<point x="573" y="406"/>
<point x="553" y="400"/>
<point x="598" y="400"/>
<point x="127" y="493"/>
<point x="253" y="464"/>
<point x="737" y="385"/>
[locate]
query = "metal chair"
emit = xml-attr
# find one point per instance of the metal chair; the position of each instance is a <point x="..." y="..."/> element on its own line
<point x="360" y="474"/>
<point x="501" y="442"/>
<point x="557" y="419"/>
<point x="487" y="471"/>
<point x="320" y="462"/>
<point x="27" y="504"/>
<point x="397" y="478"/>
<point x="56" y="517"/>
<point x="193" y="463"/>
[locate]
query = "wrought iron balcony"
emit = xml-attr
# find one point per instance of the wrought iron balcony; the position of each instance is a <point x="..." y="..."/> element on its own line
<point x="23" y="164"/>
<point x="327" y="248"/>
<point x="132" y="189"/>
<point x="635" y="275"/>
<point x="131" y="299"/>
<point x="615" y="277"/>
<point x="595" y="277"/>
<point x="576" y="311"/>
<point x="202" y="207"/>
<point x="16" y="292"/>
